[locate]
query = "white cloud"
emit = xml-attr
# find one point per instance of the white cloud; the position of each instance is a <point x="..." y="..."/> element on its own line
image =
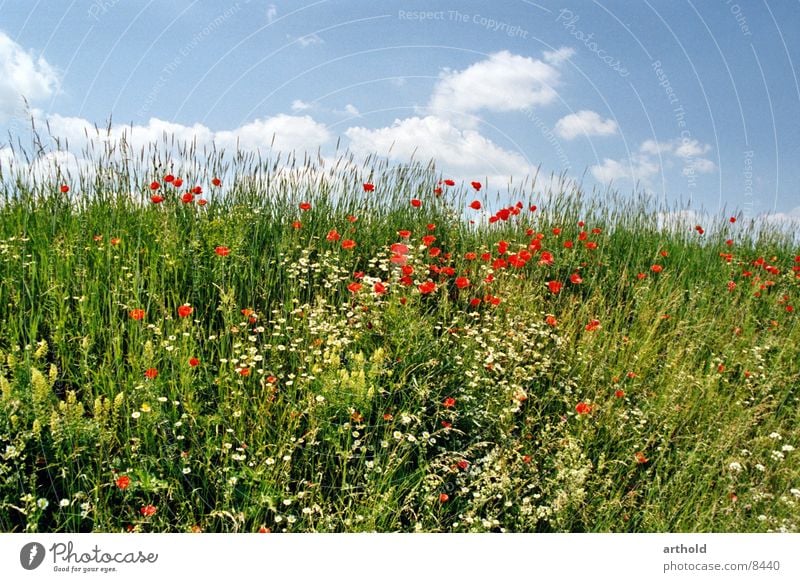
<point x="503" y="82"/>
<point x="586" y="123"/>
<point x="283" y="132"/>
<point x="559" y="55"/>
<point x="686" y="150"/>
<point x="352" y="110"/>
<point x="638" y="168"/>
<point x="464" y="152"/>
<point x="272" y="13"/>
<point x="307" y="40"/>
<point x="22" y="75"/>
<point x="299" y="105"/>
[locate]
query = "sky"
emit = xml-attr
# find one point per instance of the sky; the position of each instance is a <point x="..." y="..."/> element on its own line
<point x="693" y="101"/>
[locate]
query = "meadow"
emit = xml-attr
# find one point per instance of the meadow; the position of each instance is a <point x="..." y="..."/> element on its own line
<point x="210" y="342"/>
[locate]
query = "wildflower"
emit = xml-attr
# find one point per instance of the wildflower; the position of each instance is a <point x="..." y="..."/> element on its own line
<point x="202" y="202"/>
<point x="449" y="402"/>
<point x="122" y="482"/>
<point x="222" y="251"/>
<point x="546" y="258"/>
<point x="333" y="235"/>
<point x="575" y="279"/>
<point x="156" y="199"/>
<point x="404" y="233"/>
<point x="583" y="408"/>
<point x="446" y="424"/>
<point x="428" y="240"/>
<point x="462" y="282"/>
<point x="148" y="510"/>
<point x="399" y="249"/>
<point x="169" y="178"/>
<point x="351" y="218"/>
<point x="463" y="464"/>
<point x="735" y="467"/>
<point x="297" y="225"/>
<point x="470" y="256"/>
<point x="115" y="241"/>
<point x="244" y="371"/>
<point x="656" y="268"/>
<point x="154" y="185"/>
<point x="151" y="373"/>
<point x="369" y="187"/>
<point x="449" y="182"/>
<point x="526" y="459"/>
<point x="640" y="458"/>
<point x="475" y="302"/>
<point x="354" y="287"/>
<point x="187" y="198"/>
<point x="619" y="393"/>
<point x="305" y="206"/>
<point x="178" y="182"/>
<point x="379" y="288"/>
<point x="348" y="244"/>
<point x="64" y="188"/>
<point x="185" y="310"/>
<point x="264" y="529"/>
<point x="216" y="181"/>
<point x="136" y="314"/>
<point x="197" y="190"/>
<point x="42" y="503"/>
<point x="554" y="286"/>
<point x="476" y="185"/>
<point x="194" y="362"/>
<point x="416" y="202"/>
<point x="593" y="325"/>
<point x="732" y="219"/>
<point x="427" y="287"/>
<point x="591" y="245"/>
<point x="551" y="320"/>
<point x="475" y="205"/>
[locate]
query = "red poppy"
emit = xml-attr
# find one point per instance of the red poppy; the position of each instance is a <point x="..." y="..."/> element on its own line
<point x="187" y="198"/>
<point x="619" y="393"/>
<point x="369" y="187"/>
<point x="185" y="310"/>
<point x="297" y="225"/>
<point x="379" y="288"/>
<point x="593" y="325"/>
<point x="554" y="286"/>
<point x="404" y="233"/>
<point x="427" y="287"/>
<point x="351" y="218"/>
<point x="148" y="510"/>
<point x="216" y="181"/>
<point x="449" y="182"/>
<point x="202" y="202"/>
<point x="556" y="231"/>
<point x="583" y="408"/>
<point x="399" y="249"/>
<point x="305" y="206"/>
<point x="729" y="242"/>
<point x="178" y="182"/>
<point x="333" y="235"/>
<point x="430" y="227"/>
<point x="462" y="282"/>
<point x="463" y="464"/>
<point x="434" y="251"/>
<point x="641" y="276"/>
<point x="526" y="459"/>
<point x="546" y="258"/>
<point x="475" y="302"/>
<point x="115" y="241"/>
<point x="169" y="178"/>
<point x="656" y="268"/>
<point x="244" y="371"/>
<point x="354" y="287"/>
<point x="470" y="256"/>
<point x="64" y="188"/>
<point x="156" y="199"/>
<point x="731" y="285"/>
<point x="416" y="202"/>
<point x="428" y="240"/>
<point x="151" y="373"/>
<point x="155" y="185"/>
<point x="348" y="244"/>
<point x="136" y="314"/>
<point x="443" y="497"/>
<point x="122" y="482"/>
<point x="640" y="458"/>
<point x="194" y="362"/>
<point x="551" y="320"/>
<point x="591" y="245"/>
<point x="438" y="191"/>
<point x="197" y="190"/>
<point x="475" y="205"/>
<point x="476" y="185"/>
<point x="502" y="247"/>
<point x="449" y="402"/>
<point x="575" y="279"/>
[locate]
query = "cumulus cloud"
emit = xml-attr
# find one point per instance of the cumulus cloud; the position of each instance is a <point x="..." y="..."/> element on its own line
<point x="644" y="164"/>
<point x="560" y="55"/>
<point x="638" y="168"/>
<point x="503" y="82"/>
<point x="586" y="123"/>
<point x="22" y="74"/>
<point x="465" y="152"/>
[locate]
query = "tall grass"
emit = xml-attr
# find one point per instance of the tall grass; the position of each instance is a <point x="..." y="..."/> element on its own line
<point x="316" y="405"/>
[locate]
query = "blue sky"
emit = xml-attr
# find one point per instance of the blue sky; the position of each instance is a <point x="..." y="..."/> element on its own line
<point x="691" y="100"/>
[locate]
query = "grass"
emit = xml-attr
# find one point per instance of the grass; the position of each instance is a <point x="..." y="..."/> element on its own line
<point x="290" y="399"/>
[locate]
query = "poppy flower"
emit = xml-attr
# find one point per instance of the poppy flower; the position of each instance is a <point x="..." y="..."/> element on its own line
<point x="428" y="240"/>
<point x="169" y="178"/>
<point x="503" y="214"/>
<point x="156" y="199"/>
<point x="136" y="314"/>
<point x="64" y="188"/>
<point x="115" y="241"/>
<point x="446" y="424"/>
<point x="148" y="510"/>
<point x="593" y="325"/>
<point x="551" y="320"/>
<point x="333" y="235"/>
<point x="202" y="202"/>
<point x="305" y="206"/>
<point x="427" y="287"/>
<point x="470" y="256"/>
<point x="449" y="402"/>
<point x="197" y="190"/>
<point x="431" y="227"/>
<point x="154" y="185"/>
<point x="591" y="245"/>
<point x="443" y="497"/>
<point x="194" y="362"/>
<point x="297" y="225"/>
<point x="399" y="249"/>
<point x="178" y="182"/>
<point x="348" y="244"/>
<point x="434" y="251"/>
<point x="449" y="182"/>
<point x="554" y="286"/>
<point x="476" y="185"/>
<point x="379" y="288"/>
<point x="404" y="233"/>
<point x="216" y="181"/>
<point x="151" y="373"/>
<point x="416" y="202"/>
<point x="546" y="258"/>
<point x="438" y="191"/>
<point x="462" y="282"/>
<point x="640" y="458"/>
<point x="354" y="287"/>
<point x="351" y="218"/>
<point x="526" y="459"/>
<point x="185" y="310"/>
<point x="222" y="251"/>
<point x="656" y="268"/>
<point x="463" y="464"/>
<point x="583" y="235"/>
<point x="731" y="285"/>
<point x="187" y="198"/>
<point x="556" y="231"/>
<point x="122" y="482"/>
<point x="244" y="372"/>
<point x="502" y="247"/>
<point x="369" y="187"/>
<point x="575" y="279"/>
<point x="641" y="276"/>
<point x="619" y="393"/>
<point x="583" y="408"/>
